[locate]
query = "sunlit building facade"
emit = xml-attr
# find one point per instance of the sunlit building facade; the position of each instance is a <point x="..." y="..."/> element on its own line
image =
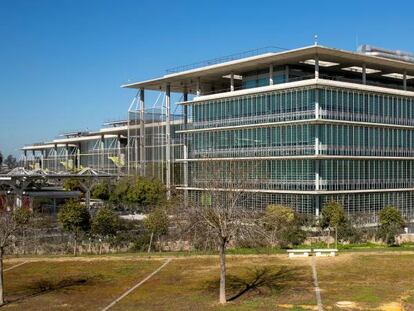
<point x="303" y="126"/>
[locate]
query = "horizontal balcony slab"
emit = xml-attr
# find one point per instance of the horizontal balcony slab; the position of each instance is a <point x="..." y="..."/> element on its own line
<point x="316" y="192"/>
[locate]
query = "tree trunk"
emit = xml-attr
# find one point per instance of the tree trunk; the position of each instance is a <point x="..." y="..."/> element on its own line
<point x="222" y="251"/>
<point x="75" y="247"/>
<point x="149" y="246"/>
<point x="1" y="278"/>
<point x="329" y="237"/>
<point x="336" y="237"/>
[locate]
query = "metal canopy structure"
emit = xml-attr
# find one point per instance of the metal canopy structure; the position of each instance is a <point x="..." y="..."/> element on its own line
<point x="22" y="181"/>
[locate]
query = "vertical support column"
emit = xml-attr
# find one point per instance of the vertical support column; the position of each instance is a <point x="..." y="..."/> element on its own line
<point x="271" y="75"/>
<point x="67" y="156"/>
<point x="118" y="147"/>
<point x="142" y="132"/>
<point x="78" y="157"/>
<point x="287" y="73"/>
<point x="317" y="161"/>
<point x="128" y="144"/>
<point x="25" y="158"/>
<point x="405" y="80"/>
<point x="317" y="67"/>
<point x="185" y="150"/>
<point x="101" y="167"/>
<point x="364" y="74"/>
<point x="317" y="206"/>
<point x="56" y="158"/>
<point x="317" y="176"/>
<point x="232" y="82"/>
<point x="185" y="107"/>
<point x="168" y="138"/>
<point x="198" y="86"/>
<point x="42" y="156"/>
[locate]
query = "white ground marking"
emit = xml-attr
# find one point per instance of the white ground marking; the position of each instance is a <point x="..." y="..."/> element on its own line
<point x="15" y="266"/>
<point x="135" y="286"/>
<point x="316" y="285"/>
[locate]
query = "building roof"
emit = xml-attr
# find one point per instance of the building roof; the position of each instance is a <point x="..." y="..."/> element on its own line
<point x="214" y="74"/>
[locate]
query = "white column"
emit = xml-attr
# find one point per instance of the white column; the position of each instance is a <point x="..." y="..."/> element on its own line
<point x="25" y="158"/>
<point x="317" y="67"/>
<point x="185" y="107"/>
<point x="67" y="156"/>
<point x="198" y="86"/>
<point x="142" y="132"/>
<point x="405" y="80"/>
<point x="317" y="177"/>
<point x="317" y="203"/>
<point x="185" y="149"/>
<point x="316" y="110"/>
<point x="42" y="159"/>
<point x="232" y="82"/>
<point x="56" y="158"/>
<point x="271" y="75"/>
<point x="364" y="74"/>
<point x="78" y="157"/>
<point x="102" y="147"/>
<point x="168" y="138"/>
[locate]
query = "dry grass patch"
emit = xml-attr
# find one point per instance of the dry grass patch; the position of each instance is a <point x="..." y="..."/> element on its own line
<point x="72" y="285"/>
<point x="254" y="283"/>
<point x="372" y="281"/>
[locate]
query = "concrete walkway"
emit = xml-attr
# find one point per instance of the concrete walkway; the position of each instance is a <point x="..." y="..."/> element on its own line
<point x="136" y="286"/>
<point x="15" y="266"/>
<point x="316" y="284"/>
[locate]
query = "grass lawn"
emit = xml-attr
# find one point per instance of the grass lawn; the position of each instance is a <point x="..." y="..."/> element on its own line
<point x="255" y="283"/>
<point x="72" y="285"/>
<point x="383" y="280"/>
<point x="364" y="281"/>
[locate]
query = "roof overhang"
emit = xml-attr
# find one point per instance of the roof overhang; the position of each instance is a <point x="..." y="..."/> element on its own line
<point x="215" y="73"/>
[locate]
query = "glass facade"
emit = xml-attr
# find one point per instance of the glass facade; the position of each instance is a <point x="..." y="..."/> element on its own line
<point x="321" y="143"/>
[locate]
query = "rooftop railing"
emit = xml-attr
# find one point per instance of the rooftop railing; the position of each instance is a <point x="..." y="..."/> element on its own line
<point x="228" y="58"/>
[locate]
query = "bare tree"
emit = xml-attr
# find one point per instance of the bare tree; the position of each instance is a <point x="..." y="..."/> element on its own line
<point x="219" y="212"/>
<point x="11" y="220"/>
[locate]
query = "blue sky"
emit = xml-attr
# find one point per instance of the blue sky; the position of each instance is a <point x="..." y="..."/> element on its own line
<point x="62" y="62"/>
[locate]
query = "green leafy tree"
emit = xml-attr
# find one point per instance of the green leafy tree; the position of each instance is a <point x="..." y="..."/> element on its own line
<point x="146" y="192"/>
<point x="156" y="223"/>
<point x="333" y="216"/>
<point x="101" y="191"/>
<point x="282" y="226"/>
<point x="72" y="184"/>
<point x="138" y="190"/>
<point x="391" y="224"/>
<point x="120" y="191"/>
<point x="11" y="220"/>
<point x="105" y="224"/>
<point x="75" y="219"/>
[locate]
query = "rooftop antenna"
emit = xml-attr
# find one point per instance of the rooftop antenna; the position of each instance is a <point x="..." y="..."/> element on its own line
<point x="316" y="39"/>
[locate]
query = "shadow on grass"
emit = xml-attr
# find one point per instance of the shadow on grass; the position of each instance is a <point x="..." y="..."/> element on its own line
<point x="43" y="286"/>
<point x="258" y="280"/>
